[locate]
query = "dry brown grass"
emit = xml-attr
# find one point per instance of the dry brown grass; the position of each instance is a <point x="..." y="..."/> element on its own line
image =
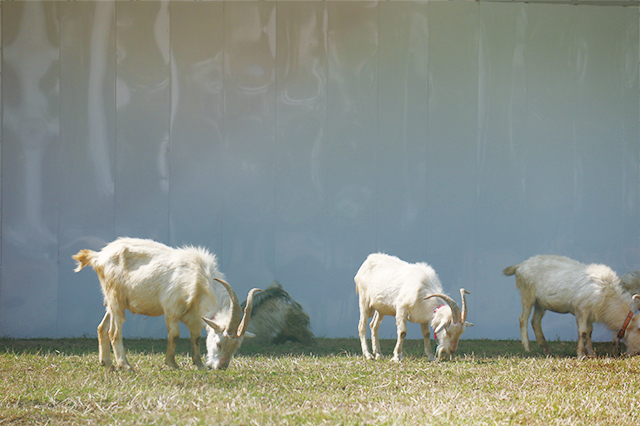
<point x="488" y="382"/>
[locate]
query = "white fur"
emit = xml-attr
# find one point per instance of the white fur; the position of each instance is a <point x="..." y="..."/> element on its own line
<point x="630" y="283"/>
<point x="149" y="278"/>
<point x="389" y="286"/>
<point x="590" y="292"/>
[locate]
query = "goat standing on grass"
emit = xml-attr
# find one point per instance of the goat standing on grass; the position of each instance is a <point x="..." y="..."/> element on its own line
<point x="411" y="292"/>
<point x="590" y="292"/>
<point x="149" y="278"/>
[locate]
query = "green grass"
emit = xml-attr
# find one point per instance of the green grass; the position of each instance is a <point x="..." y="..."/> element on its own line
<point x="487" y="382"/>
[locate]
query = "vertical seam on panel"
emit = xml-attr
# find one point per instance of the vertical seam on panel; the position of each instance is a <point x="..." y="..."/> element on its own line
<point x="170" y="130"/>
<point x="325" y="203"/>
<point x="574" y="124"/>
<point x="426" y="134"/>
<point x="479" y="135"/>
<point x="377" y="132"/>
<point x="115" y="118"/>
<point x="169" y="127"/>
<point x="526" y="143"/>
<point x="59" y="169"/>
<point x="274" y="145"/>
<point x="624" y="151"/>
<point x="1" y="156"/>
<point x="223" y="131"/>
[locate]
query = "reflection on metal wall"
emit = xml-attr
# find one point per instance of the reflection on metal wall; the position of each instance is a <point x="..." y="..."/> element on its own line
<point x="294" y="138"/>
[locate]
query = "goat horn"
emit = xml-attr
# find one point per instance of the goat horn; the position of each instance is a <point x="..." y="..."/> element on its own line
<point x="234" y="306"/>
<point x="463" y="294"/>
<point x="455" y="309"/>
<point x="247" y="312"/>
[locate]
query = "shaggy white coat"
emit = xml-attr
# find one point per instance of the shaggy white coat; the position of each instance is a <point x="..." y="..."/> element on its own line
<point x="149" y="278"/>
<point x="387" y="285"/>
<point x="590" y="292"/>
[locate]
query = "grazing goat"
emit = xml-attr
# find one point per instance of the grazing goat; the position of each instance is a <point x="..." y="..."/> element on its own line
<point x="411" y="292"/>
<point x="149" y="278"/>
<point x="590" y="292"/>
<point x="277" y="318"/>
<point x="630" y="282"/>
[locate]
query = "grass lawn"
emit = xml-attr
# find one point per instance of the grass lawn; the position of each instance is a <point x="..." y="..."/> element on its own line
<point x="487" y="382"/>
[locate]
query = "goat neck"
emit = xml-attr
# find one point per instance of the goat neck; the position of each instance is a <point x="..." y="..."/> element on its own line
<point x="234" y="307"/>
<point x="456" y="315"/>
<point x="247" y="312"/>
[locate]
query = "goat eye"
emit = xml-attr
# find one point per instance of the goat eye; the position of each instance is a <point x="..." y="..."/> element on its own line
<point x="219" y="345"/>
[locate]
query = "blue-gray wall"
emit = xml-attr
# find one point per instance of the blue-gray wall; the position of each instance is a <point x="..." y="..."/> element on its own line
<point x="293" y="138"/>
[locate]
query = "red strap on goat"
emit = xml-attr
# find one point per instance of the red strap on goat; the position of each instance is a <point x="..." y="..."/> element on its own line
<point x="625" y="325"/>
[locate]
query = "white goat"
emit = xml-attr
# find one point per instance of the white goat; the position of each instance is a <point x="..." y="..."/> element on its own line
<point x="149" y="278"/>
<point x="411" y="292"/>
<point x="630" y="282"/>
<point x="590" y="292"/>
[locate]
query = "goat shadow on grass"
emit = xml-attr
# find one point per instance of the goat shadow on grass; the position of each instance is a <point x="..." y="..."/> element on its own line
<point x="323" y="347"/>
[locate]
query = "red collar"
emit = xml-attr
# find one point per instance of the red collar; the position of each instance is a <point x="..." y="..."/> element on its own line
<point x="625" y="325"/>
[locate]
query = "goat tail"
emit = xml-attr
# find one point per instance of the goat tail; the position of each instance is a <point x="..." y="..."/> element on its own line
<point x="83" y="258"/>
<point x="510" y="270"/>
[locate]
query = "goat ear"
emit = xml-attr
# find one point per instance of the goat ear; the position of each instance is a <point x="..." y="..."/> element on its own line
<point x="439" y="328"/>
<point x="468" y="324"/>
<point x="213" y="325"/>
<point x="249" y="334"/>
